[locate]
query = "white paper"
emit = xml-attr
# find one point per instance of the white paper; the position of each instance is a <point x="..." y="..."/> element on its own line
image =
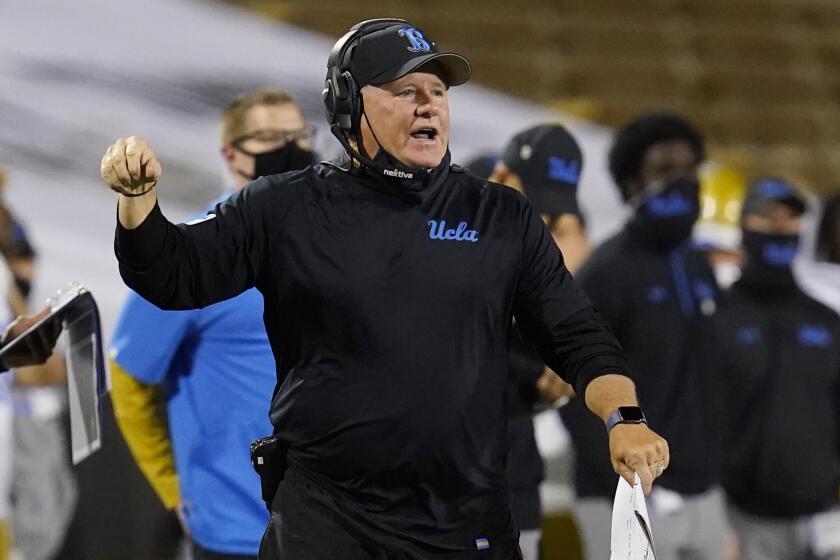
<point x="551" y="435"/>
<point x="631" y="537"/>
<point x="824" y="533"/>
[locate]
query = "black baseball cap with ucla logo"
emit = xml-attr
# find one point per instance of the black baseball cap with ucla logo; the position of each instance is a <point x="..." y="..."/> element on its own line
<point x="549" y="161"/>
<point x="389" y="54"/>
<point x="766" y="191"/>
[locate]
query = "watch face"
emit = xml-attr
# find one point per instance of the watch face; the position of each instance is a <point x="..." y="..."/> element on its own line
<point x="631" y="414"/>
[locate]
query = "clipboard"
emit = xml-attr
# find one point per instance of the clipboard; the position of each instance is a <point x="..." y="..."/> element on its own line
<point x="74" y="311"/>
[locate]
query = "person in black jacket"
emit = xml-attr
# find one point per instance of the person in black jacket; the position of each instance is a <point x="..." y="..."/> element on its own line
<point x="779" y="378"/>
<point x="390" y="279"/>
<point x="544" y="163"/>
<point x="658" y="294"/>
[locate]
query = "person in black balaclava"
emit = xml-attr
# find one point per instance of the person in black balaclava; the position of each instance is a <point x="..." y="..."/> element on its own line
<point x="779" y="376"/>
<point x="658" y="294"/>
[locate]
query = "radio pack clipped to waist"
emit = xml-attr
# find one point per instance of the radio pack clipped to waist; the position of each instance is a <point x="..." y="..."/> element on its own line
<point x="268" y="457"/>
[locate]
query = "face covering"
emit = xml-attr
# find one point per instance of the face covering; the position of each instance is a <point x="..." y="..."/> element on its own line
<point x="665" y="219"/>
<point x="288" y="157"/>
<point x="769" y="256"/>
<point x="24" y="286"/>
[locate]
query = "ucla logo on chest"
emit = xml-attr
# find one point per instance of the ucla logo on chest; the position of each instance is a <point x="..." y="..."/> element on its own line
<point x="461" y="232"/>
<point x="418" y="42"/>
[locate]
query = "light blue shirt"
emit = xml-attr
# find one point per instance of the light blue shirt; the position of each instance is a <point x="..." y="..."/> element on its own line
<point x="220" y="374"/>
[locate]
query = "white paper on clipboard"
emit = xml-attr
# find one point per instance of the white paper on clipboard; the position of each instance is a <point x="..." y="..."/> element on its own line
<point x="75" y="310"/>
<point x="632" y="536"/>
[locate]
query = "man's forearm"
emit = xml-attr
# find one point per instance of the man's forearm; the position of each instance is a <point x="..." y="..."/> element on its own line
<point x="133" y="210"/>
<point x="606" y="393"/>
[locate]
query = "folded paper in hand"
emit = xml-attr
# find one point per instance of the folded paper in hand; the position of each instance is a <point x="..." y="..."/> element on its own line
<point x="632" y="537"/>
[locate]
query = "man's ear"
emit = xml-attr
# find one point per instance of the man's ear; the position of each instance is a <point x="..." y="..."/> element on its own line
<point x="228" y="153"/>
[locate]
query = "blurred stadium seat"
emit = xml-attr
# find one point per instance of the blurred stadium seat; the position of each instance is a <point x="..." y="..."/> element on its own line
<point x="758" y="75"/>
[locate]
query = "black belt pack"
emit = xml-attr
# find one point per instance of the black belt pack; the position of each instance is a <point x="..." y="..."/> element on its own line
<point x="268" y="457"/>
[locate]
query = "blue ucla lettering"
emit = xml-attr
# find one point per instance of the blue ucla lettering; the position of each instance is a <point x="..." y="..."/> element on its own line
<point x="779" y="254"/>
<point x="748" y="335"/>
<point x="561" y="170"/>
<point x="437" y="230"/>
<point x="418" y="42"/>
<point x="814" y="335"/>
<point x="657" y="294"/>
<point x="665" y="206"/>
<point x="772" y="188"/>
<point x="704" y="290"/>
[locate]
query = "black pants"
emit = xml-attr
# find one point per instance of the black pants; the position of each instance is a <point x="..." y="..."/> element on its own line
<point x="305" y="525"/>
<point x="200" y="553"/>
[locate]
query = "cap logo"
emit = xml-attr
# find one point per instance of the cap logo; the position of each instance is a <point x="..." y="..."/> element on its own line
<point x="561" y="170"/>
<point x="774" y="189"/>
<point x="418" y="42"/>
<point x="525" y="152"/>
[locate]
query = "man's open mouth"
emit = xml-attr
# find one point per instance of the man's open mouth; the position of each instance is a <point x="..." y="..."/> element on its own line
<point x="424" y="133"/>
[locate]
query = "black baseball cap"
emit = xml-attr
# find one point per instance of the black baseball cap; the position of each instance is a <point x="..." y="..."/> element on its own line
<point x="765" y="191"/>
<point x="388" y="54"/>
<point x="483" y="165"/>
<point x="549" y="161"/>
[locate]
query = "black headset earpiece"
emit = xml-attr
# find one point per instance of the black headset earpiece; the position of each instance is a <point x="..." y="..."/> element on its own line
<point x="354" y="102"/>
<point x="342" y="101"/>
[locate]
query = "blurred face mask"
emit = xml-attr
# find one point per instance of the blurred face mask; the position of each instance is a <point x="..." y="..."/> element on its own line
<point x="666" y="216"/>
<point x="769" y="255"/>
<point x="289" y="157"/>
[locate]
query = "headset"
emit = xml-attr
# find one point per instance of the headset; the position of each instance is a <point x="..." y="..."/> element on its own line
<point x="342" y="99"/>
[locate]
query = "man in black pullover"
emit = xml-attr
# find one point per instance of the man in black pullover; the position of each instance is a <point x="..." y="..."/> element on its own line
<point x="390" y="280"/>
<point x="779" y="380"/>
<point x="658" y="294"/>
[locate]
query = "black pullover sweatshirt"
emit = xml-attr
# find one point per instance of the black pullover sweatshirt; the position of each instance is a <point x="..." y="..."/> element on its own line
<point x="779" y="384"/>
<point x="388" y="305"/>
<point x="660" y="305"/>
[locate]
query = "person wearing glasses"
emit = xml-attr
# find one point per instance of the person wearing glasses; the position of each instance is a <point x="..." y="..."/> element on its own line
<point x="191" y="388"/>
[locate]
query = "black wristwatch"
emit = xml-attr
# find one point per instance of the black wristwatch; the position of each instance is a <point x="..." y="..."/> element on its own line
<point x="626" y="415"/>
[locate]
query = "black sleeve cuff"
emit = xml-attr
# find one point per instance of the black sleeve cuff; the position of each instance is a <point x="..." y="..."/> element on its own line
<point x="598" y="365"/>
<point x="138" y="248"/>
